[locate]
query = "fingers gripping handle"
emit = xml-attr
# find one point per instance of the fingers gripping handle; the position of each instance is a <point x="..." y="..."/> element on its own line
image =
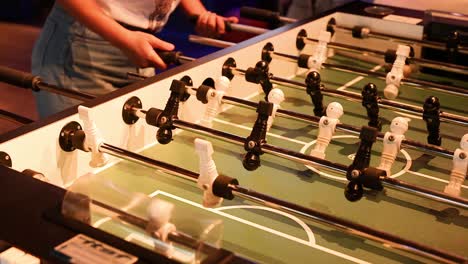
<point x="19" y="78"/>
<point x="227" y="24"/>
<point x="93" y="138"/>
<point x="170" y="57"/>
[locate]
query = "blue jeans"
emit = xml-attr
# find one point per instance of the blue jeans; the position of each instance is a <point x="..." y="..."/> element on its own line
<point x="71" y="56"/>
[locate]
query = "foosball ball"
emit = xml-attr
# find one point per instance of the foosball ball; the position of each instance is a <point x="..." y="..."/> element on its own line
<point x="304" y="144"/>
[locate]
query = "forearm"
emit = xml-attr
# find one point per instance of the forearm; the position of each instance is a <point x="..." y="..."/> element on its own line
<point x="193" y="7"/>
<point x="89" y="13"/>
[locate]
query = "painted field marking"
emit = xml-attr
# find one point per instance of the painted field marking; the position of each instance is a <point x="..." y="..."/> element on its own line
<point x="304" y="226"/>
<point x="431" y="177"/>
<point x="408" y="164"/>
<point x="272" y="231"/>
<point x="307" y="145"/>
<point x="357" y="79"/>
<point x="269" y="134"/>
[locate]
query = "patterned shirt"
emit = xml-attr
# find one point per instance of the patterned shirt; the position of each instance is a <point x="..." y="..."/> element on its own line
<point x="146" y="14"/>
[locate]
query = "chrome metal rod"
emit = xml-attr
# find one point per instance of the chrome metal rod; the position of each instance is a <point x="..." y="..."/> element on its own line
<point x="349" y="227"/>
<point x="248" y="29"/>
<point x="350" y="96"/>
<point x="306" y="159"/>
<point x="344" y="225"/>
<point x="175" y="236"/>
<point x="210" y="41"/>
<point x="309" y="119"/>
<point x="424" y="62"/>
<point x="148" y="162"/>
<point x="184" y="59"/>
<point x="427" y="84"/>
<point x="403" y="40"/>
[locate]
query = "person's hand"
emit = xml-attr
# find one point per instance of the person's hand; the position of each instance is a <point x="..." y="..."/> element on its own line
<point x="211" y="25"/>
<point x="140" y="49"/>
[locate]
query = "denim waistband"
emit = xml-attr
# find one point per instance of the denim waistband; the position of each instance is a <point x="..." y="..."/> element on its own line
<point x="60" y="16"/>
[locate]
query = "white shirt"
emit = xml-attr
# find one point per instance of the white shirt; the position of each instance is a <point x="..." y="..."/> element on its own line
<point x="145" y="14"/>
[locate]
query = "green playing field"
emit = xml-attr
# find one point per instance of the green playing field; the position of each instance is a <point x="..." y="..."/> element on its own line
<point x="269" y="236"/>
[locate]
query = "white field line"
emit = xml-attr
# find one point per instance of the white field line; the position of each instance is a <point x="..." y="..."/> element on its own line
<point x="304" y="226"/>
<point x="431" y="177"/>
<point x="357" y="79"/>
<point x="269" y="134"/>
<point x="278" y="233"/>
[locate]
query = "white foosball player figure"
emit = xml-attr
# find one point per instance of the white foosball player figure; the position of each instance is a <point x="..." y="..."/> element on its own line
<point x="392" y="143"/>
<point x="320" y="53"/>
<point x="93" y="138"/>
<point x="213" y="106"/>
<point x="394" y="77"/>
<point x="459" y="169"/>
<point x="159" y="225"/>
<point x="208" y="173"/>
<point x="276" y="96"/>
<point x="327" y="125"/>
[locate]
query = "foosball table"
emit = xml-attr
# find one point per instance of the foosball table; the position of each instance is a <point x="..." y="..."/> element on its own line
<point x="303" y="144"/>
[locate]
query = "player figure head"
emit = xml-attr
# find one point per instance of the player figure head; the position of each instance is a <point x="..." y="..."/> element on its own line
<point x="222" y="83"/>
<point x="313" y="77"/>
<point x="369" y="90"/>
<point x="262" y="65"/>
<point x="334" y="110"/>
<point x="276" y="96"/>
<point x="399" y="125"/>
<point x="391" y="91"/>
<point x="464" y="142"/>
<point x="159" y="212"/>
<point x="431" y="104"/>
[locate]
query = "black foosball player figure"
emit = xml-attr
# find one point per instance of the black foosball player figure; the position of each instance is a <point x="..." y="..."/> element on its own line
<point x="453" y="40"/>
<point x="260" y="74"/>
<point x="359" y="173"/>
<point x="370" y="102"/>
<point x="431" y="114"/>
<point x="313" y="82"/>
<point x="253" y="143"/>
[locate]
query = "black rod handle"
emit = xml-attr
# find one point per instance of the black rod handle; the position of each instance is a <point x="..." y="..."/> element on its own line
<point x="260" y="14"/>
<point x="169" y="57"/>
<point x="18" y="78"/>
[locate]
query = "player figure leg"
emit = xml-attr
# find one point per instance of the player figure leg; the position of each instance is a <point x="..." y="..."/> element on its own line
<point x="276" y="97"/>
<point x="431" y="114"/>
<point x="214" y="99"/>
<point x="394" y="77"/>
<point x="459" y="169"/>
<point x="326" y="129"/>
<point x="392" y="143"/>
<point x="370" y="102"/>
<point x="208" y="172"/>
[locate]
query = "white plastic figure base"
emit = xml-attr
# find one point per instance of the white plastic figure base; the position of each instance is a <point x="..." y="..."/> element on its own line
<point x="320" y="53"/>
<point x="208" y="173"/>
<point x="394" y="77"/>
<point x="214" y="98"/>
<point x="326" y="129"/>
<point x="392" y="143"/>
<point x="276" y="96"/>
<point x="159" y="225"/>
<point x="93" y="138"/>
<point x="159" y="216"/>
<point x="459" y="169"/>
